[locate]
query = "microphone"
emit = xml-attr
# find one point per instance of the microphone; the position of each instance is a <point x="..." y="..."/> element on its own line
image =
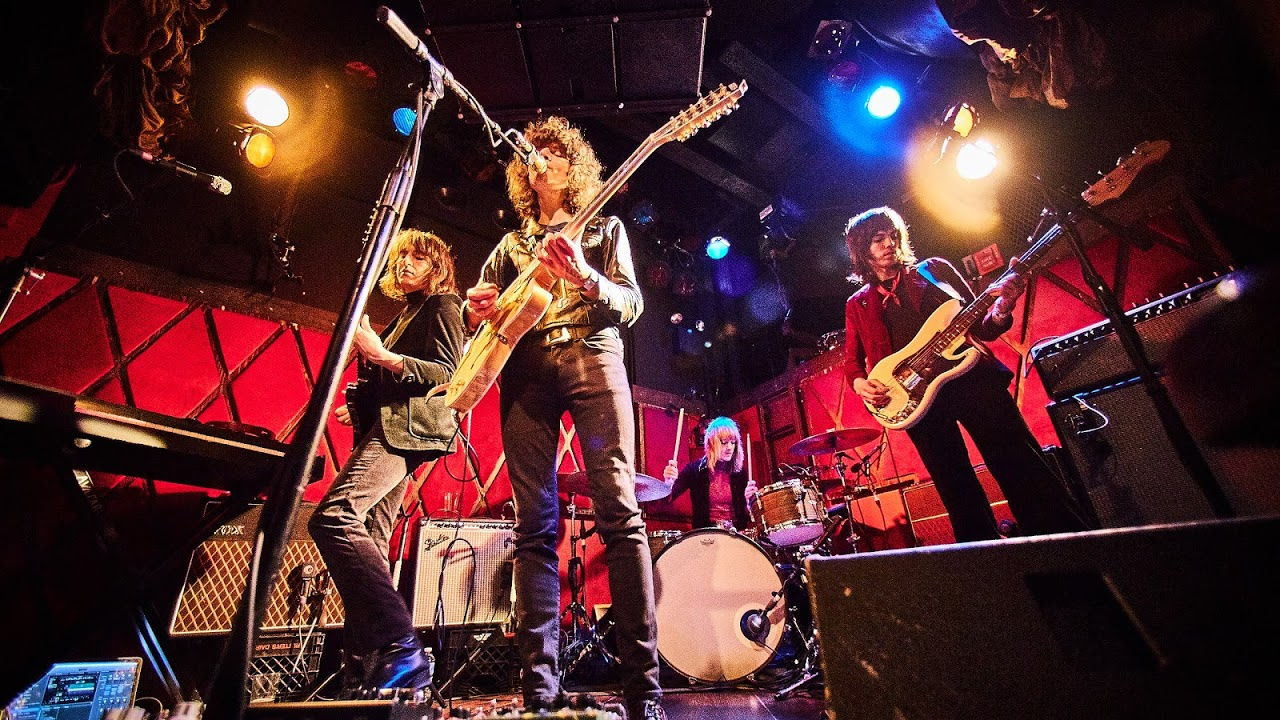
<point x="528" y="152"/>
<point x="216" y="183"/>
<point x="756" y="626"/>
<point x="388" y="17"/>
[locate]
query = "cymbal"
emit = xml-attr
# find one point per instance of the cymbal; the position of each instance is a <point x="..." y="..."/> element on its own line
<point x="648" y="488"/>
<point x="833" y="440"/>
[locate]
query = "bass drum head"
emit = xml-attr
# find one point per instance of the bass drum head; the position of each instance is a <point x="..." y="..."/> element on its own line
<point x="705" y="584"/>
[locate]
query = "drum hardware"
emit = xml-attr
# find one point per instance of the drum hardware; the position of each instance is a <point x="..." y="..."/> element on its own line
<point x="583" y="636"/>
<point x="811" y="665"/>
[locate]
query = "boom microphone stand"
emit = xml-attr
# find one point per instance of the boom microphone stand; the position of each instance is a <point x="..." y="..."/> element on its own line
<point x="227" y="692"/>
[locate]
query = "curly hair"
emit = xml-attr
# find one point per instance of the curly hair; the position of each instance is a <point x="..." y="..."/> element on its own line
<point x="720" y="431"/>
<point x="442" y="278"/>
<point x="584" y="170"/>
<point x="862" y="227"/>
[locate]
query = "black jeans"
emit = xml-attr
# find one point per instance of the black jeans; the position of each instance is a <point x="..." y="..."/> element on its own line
<point x="980" y="401"/>
<point x="587" y="378"/>
<point x="352" y="529"/>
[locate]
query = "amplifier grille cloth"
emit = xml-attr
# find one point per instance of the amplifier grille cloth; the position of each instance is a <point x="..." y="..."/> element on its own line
<point x="472" y="586"/>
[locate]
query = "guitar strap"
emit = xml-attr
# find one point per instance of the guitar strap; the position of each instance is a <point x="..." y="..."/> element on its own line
<point x="406" y="316"/>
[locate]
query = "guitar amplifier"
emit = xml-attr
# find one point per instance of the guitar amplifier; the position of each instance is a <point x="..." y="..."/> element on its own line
<point x="303" y="597"/>
<point x="930" y="523"/>
<point x="461" y="573"/>
<point x="1093" y="357"/>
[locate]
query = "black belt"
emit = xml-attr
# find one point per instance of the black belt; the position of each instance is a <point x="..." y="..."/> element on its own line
<point x="566" y="334"/>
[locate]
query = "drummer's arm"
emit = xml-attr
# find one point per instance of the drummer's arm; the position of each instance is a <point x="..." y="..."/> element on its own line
<point x="682" y="480"/>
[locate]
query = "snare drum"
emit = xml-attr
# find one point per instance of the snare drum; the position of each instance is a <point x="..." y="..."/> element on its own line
<point x="706" y="585"/>
<point x="789" y="512"/>
<point x="660" y="539"/>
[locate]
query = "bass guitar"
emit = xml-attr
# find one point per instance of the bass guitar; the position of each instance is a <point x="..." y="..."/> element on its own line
<point x="523" y="303"/>
<point x="934" y="356"/>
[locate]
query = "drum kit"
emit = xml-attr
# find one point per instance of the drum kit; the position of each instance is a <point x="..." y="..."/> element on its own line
<point x="725" y="598"/>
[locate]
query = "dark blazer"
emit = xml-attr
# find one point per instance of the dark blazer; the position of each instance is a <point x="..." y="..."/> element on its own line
<point x="431" y="345"/>
<point x="696" y="478"/>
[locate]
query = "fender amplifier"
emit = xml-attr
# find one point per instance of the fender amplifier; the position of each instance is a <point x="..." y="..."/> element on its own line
<point x="460" y="573"/>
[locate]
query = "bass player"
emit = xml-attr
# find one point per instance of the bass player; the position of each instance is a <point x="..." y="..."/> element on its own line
<point x="571" y="360"/>
<point x="883" y="316"/>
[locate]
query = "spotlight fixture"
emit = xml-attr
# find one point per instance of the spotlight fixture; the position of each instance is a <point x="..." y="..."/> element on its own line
<point x="831" y="38"/>
<point x="266" y="106"/>
<point x="255" y="145"/>
<point x="884" y="102"/>
<point x="717" y="247"/>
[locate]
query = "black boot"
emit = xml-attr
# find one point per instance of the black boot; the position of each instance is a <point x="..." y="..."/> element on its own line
<point x="401" y="664"/>
<point x="353" y="673"/>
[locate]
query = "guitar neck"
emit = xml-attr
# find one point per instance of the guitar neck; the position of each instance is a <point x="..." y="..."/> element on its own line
<point x="976" y="310"/>
<point x="611" y="186"/>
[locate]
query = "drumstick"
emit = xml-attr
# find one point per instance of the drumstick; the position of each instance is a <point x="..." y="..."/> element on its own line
<point x="748" y="443"/>
<point x="675" y="454"/>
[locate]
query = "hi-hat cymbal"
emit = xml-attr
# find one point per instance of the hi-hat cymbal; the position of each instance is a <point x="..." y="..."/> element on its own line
<point x="833" y="440"/>
<point x="648" y="488"/>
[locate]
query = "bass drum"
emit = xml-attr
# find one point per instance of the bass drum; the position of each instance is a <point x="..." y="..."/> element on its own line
<point x="711" y="587"/>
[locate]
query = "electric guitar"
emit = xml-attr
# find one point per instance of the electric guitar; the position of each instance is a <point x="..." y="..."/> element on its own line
<point x="934" y="356"/>
<point x="362" y="400"/>
<point x="523" y="303"/>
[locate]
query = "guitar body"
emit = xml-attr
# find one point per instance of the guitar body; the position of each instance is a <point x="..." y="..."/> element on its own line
<point x="518" y="309"/>
<point x="362" y="403"/>
<point x="916" y="373"/>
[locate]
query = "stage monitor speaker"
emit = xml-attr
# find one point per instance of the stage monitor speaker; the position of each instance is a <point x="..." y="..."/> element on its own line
<point x="1170" y="621"/>
<point x="1129" y="471"/>
<point x="303" y="597"/>
<point x="461" y="573"/>
<point x="930" y="523"/>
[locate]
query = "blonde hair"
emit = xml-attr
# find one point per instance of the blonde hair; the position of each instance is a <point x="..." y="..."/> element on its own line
<point x="714" y="443"/>
<point x="584" y="170"/>
<point x="442" y="278"/>
<point x="862" y="227"/>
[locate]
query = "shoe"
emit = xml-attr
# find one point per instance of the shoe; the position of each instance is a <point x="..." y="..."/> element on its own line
<point x="353" y="673"/>
<point x="650" y="709"/>
<point x="403" y="664"/>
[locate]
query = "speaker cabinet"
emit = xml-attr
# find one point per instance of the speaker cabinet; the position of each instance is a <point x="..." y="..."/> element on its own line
<point x="930" y="523"/>
<point x="1130" y="473"/>
<point x="461" y="573"/>
<point x="1172" y="621"/>
<point x="303" y="597"/>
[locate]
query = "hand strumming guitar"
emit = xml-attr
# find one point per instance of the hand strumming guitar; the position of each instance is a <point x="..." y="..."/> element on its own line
<point x="563" y="257"/>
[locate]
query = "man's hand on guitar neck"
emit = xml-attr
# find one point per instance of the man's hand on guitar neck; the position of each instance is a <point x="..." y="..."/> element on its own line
<point x="343" y="415"/>
<point x="1009" y="287"/>
<point x="370" y="347"/>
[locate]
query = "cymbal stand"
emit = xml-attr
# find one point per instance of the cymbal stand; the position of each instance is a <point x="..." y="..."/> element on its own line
<point x="581" y="638"/>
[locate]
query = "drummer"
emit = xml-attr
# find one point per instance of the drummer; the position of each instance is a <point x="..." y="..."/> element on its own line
<point x="717" y="482"/>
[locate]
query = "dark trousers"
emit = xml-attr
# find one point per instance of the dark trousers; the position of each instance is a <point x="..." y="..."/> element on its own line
<point x="979" y="400"/>
<point x="586" y="378"/>
<point x="352" y="529"/>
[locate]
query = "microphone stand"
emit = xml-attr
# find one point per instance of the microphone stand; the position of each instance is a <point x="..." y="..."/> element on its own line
<point x="227" y="690"/>
<point x="1175" y="428"/>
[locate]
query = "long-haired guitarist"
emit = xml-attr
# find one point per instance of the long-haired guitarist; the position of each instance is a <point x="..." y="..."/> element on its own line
<point x="885" y="315"/>
<point x="352" y="524"/>
<point x="571" y="361"/>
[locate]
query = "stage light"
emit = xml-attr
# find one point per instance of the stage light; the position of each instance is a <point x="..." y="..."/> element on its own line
<point x="266" y="106"/>
<point x="884" y="101"/>
<point x="717" y="247"/>
<point x="976" y="159"/>
<point x="256" y="145"/>
<point x="403" y="119"/>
